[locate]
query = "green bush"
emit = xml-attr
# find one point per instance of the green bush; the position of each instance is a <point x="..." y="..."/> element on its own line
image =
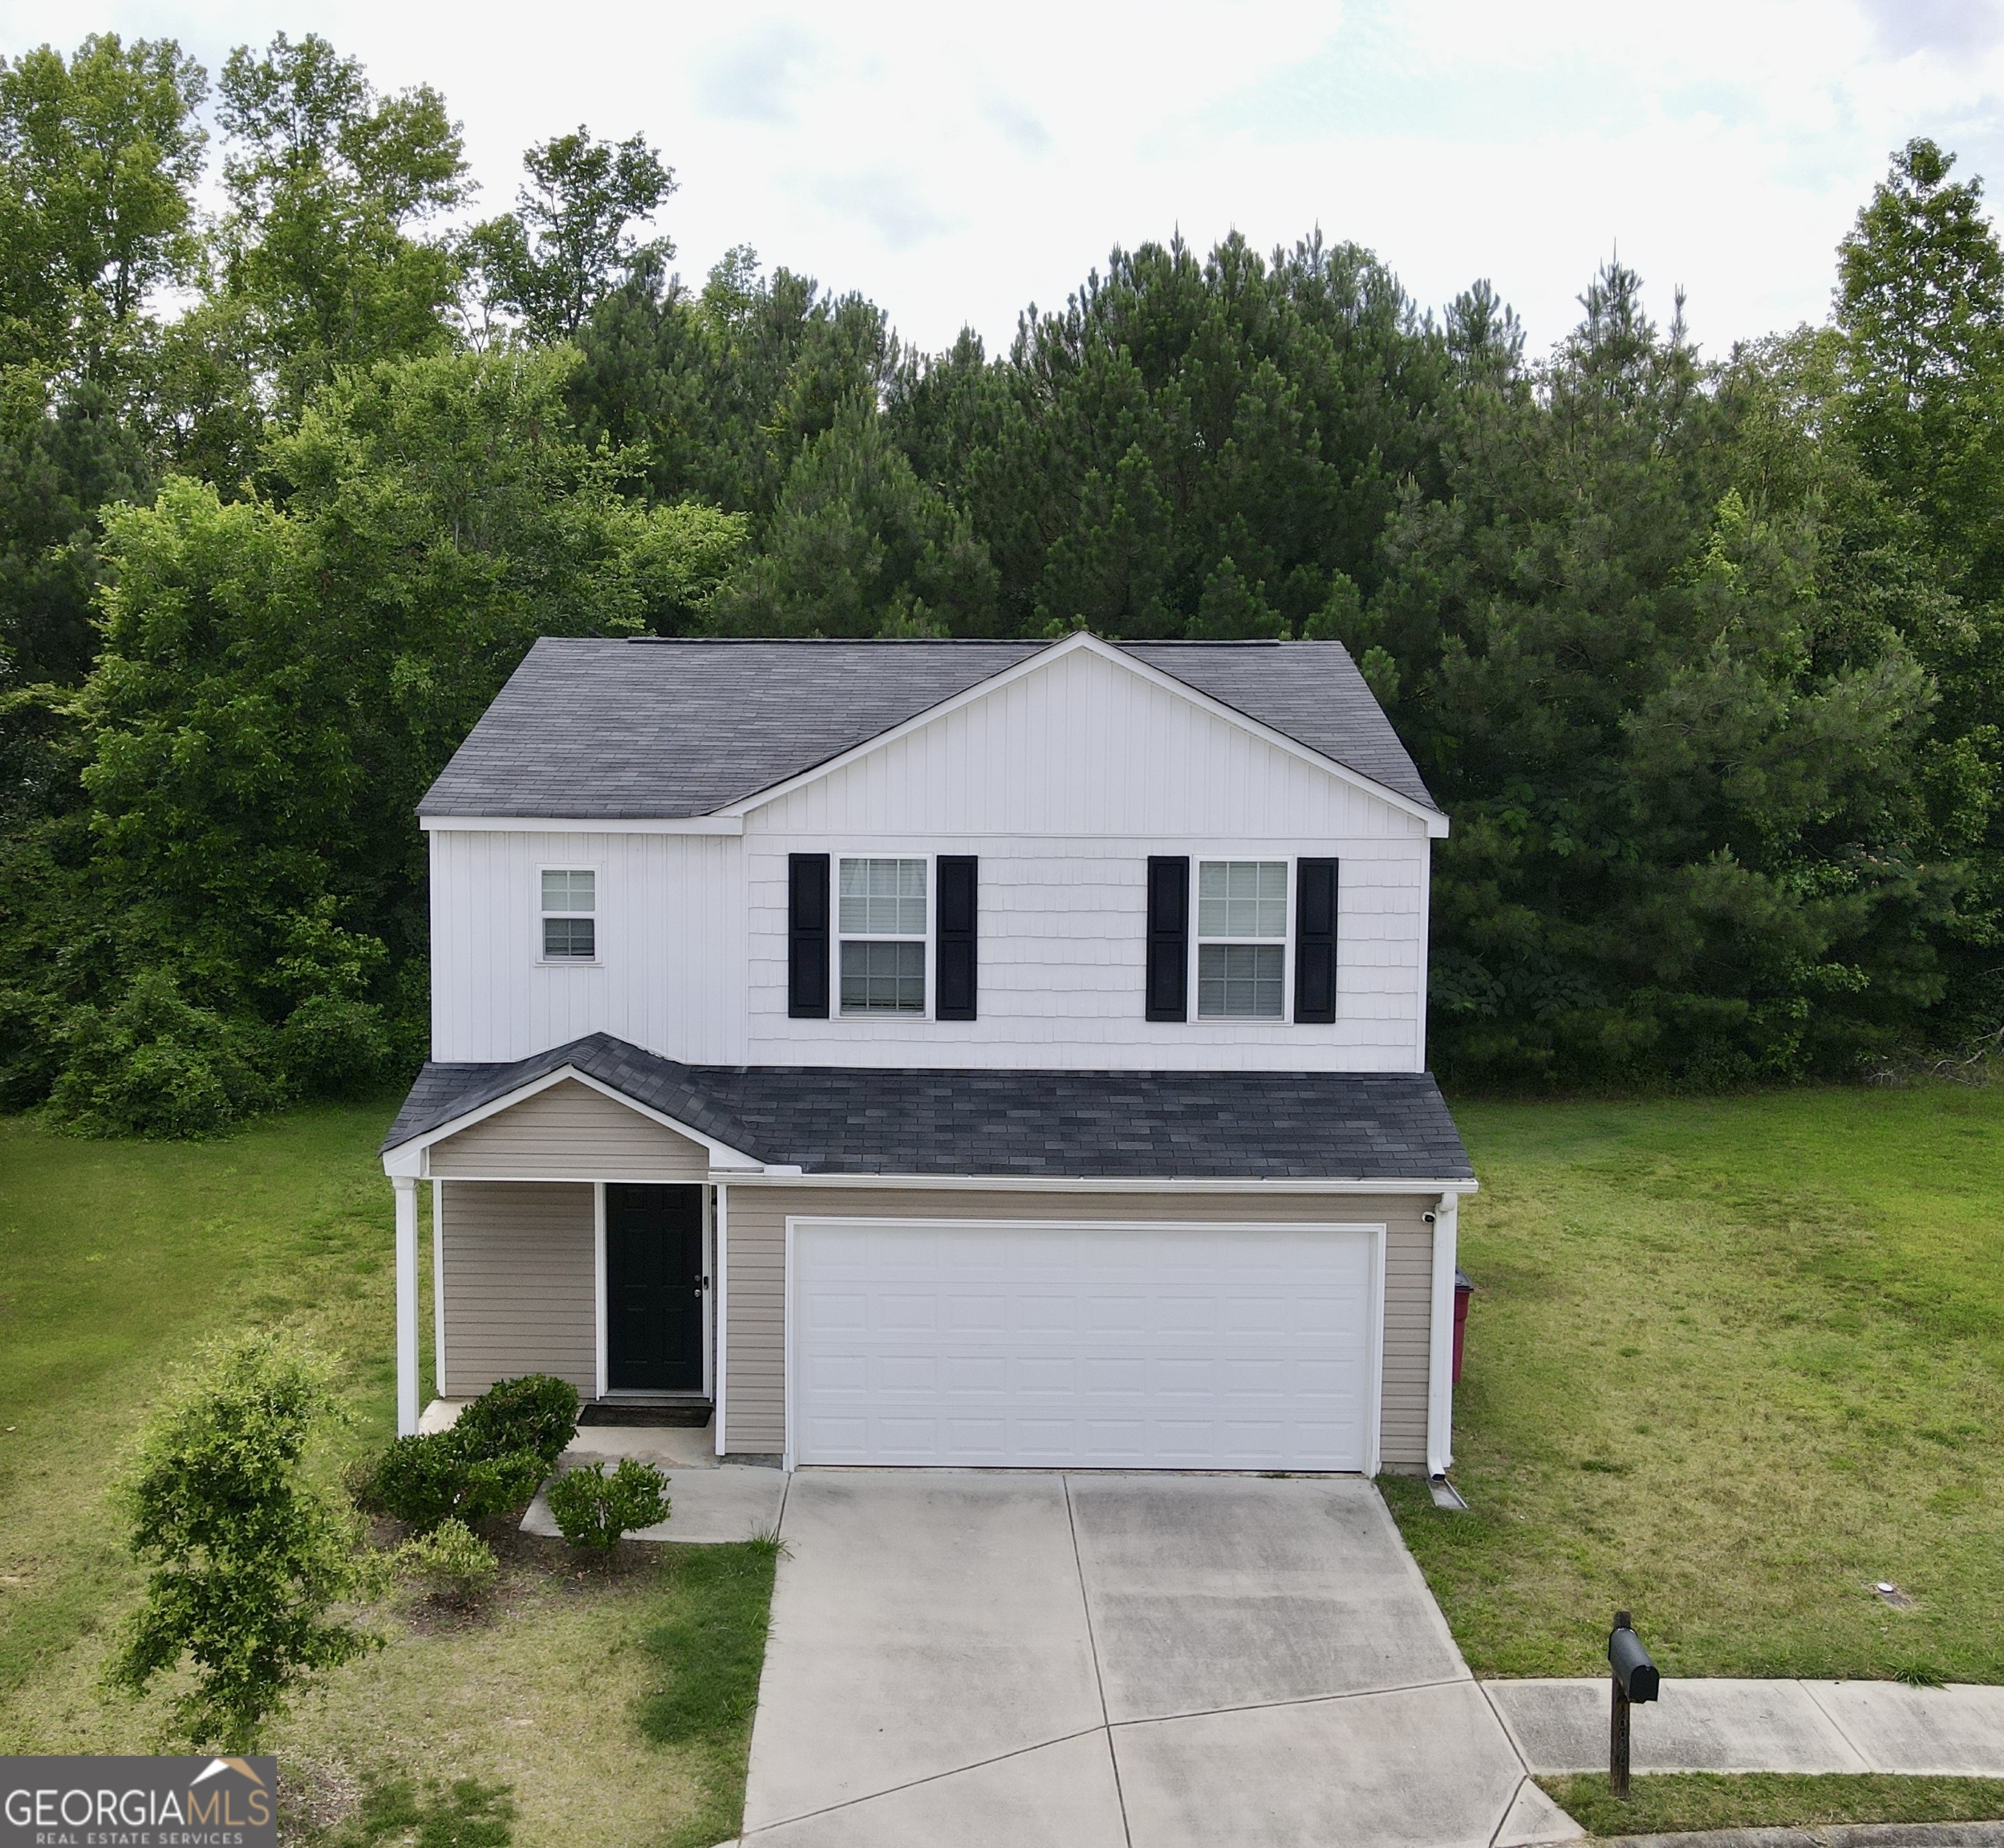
<point x="157" y="1066"/>
<point x="452" y="1562"/>
<point x="594" y="1509"/>
<point x="425" y="1481"/>
<point x="332" y="1048"/>
<point x="537" y="1413"/>
<point x="247" y="1556"/>
<point x="490" y="1460"/>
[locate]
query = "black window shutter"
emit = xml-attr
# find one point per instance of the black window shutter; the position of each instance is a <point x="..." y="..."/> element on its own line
<point x="1315" y="943"/>
<point x="957" y="946"/>
<point x="807" y="936"/>
<point x="1168" y="938"/>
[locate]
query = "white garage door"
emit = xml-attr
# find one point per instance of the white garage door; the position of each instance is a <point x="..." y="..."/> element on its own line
<point x="1087" y="1346"/>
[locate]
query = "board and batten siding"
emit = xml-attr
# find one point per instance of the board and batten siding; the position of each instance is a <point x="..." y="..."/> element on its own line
<point x="520" y="1284"/>
<point x="570" y="1132"/>
<point x="755" y="1346"/>
<point x="1063" y="782"/>
<point x="670" y="971"/>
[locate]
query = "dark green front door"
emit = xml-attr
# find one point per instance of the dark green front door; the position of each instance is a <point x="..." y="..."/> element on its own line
<point x="654" y="1288"/>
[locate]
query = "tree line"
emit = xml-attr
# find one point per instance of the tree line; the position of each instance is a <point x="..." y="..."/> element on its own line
<point x="1704" y="656"/>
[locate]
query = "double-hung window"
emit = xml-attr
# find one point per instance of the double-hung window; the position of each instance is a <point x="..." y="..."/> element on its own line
<point x="880" y="917"/>
<point x="1242" y="939"/>
<point x="570" y="924"/>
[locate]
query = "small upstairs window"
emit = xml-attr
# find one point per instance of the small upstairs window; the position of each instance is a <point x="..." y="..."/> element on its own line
<point x="880" y="916"/>
<point x="570" y="904"/>
<point x="1242" y="938"/>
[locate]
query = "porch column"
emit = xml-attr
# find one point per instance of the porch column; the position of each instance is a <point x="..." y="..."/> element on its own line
<point x="1440" y="1359"/>
<point x="406" y="1400"/>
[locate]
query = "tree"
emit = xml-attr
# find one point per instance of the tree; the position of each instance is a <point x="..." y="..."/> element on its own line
<point x="328" y="186"/>
<point x="278" y="686"/>
<point x="567" y="242"/>
<point x="1180" y="412"/>
<point x="100" y="156"/>
<point x="247" y="1556"/>
<point x="1654" y="683"/>
<point x="61" y="460"/>
<point x="859" y="546"/>
<point x="1920" y="310"/>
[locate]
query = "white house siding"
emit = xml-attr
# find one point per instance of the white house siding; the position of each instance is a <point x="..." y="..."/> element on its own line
<point x="670" y="972"/>
<point x="1064" y="782"/>
<point x="755" y="1285"/>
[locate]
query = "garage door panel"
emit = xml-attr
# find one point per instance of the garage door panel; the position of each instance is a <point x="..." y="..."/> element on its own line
<point x="1083" y="1345"/>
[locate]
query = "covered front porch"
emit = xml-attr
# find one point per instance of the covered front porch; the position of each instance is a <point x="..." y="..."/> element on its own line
<point x="572" y="1235"/>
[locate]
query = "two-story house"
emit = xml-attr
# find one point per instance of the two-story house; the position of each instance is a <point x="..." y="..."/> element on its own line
<point x="979" y="1053"/>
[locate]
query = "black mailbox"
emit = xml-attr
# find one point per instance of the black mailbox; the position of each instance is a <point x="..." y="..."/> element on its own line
<point x="1633" y="1670"/>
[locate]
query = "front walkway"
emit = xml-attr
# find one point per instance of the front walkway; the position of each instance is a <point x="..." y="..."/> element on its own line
<point x="1811" y="1726"/>
<point x="1002" y="1660"/>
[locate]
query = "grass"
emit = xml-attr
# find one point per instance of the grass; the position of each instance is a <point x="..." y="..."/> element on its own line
<point x="1665" y="1804"/>
<point x="1731" y="1363"/>
<point x="584" y="1704"/>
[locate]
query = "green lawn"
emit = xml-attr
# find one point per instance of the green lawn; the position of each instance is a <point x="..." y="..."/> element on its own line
<point x="1702" y="1800"/>
<point x="1730" y="1363"/>
<point x="616" y="1707"/>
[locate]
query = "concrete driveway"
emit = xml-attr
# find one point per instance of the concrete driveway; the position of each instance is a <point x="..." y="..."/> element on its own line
<point x="1003" y="1660"/>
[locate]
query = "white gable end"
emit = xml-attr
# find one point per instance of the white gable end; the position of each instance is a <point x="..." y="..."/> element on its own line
<point x="1084" y="742"/>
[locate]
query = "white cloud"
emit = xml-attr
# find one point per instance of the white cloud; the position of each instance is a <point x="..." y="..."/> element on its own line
<point x="956" y="163"/>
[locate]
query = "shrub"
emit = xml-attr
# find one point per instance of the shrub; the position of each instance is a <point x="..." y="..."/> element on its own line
<point x="504" y="1443"/>
<point x="332" y="1048"/>
<point x="452" y="1562"/>
<point x="592" y="1509"/>
<point x="247" y="1556"/>
<point x="537" y="1413"/>
<point x="423" y="1481"/>
<point x="155" y="1065"/>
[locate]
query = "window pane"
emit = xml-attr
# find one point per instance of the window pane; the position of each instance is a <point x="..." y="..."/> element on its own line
<point x="570" y="937"/>
<point x="568" y="892"/>
<point x="1238" y="981"/>
<point x="1242" y="898"/>
<point x="883" y="978"/>
<point x="883" y="898"/>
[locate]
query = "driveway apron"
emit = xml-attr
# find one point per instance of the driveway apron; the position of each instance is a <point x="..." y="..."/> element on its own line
<point x="1000" y="1660"/>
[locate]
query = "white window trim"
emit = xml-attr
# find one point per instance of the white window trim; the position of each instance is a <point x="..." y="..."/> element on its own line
<point x="840" y="936"/>
<point x="1285" y="1017"/>
<point x="597" y="914"/>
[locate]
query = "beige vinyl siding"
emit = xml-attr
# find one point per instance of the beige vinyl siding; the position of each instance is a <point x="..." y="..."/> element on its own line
<point x="520" y="1285"/>
<point x="755" y="1404"/>
<point x="570" y="1131"/>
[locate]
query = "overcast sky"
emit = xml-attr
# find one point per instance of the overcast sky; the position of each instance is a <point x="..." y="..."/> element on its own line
<point x="954" y="163"/>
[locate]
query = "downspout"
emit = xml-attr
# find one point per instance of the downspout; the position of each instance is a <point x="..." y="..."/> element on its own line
<point x="1440" y="1357"/>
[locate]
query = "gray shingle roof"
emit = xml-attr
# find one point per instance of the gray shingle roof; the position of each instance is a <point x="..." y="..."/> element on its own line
<point x="1151" y="1125"/>
<point x="653" y="730"/>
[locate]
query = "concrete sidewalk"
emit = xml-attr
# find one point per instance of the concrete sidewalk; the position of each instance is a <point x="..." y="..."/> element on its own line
<point x="1809" y="1726"/>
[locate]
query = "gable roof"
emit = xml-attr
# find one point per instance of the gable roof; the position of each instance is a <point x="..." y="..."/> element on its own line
<point x="1076" y="1125"/>
<point x="653" y="729"/>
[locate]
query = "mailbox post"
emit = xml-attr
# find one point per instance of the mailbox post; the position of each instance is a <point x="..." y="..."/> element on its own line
<point x="1635" y="1678"/>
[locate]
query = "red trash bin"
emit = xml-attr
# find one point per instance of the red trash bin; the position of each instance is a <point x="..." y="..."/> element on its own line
<point x="1463" y="1289"/>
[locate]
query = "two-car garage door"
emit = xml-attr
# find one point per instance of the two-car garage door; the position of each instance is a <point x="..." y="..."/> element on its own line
<point x="1088" y="1345"/>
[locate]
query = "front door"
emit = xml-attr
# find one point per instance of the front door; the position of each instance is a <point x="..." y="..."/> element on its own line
<point x="654" y="1288"/>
